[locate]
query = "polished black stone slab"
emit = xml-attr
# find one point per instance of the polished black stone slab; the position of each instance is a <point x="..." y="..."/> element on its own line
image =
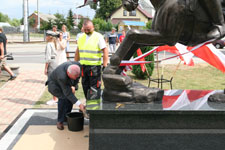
<point x="182" y="120"/>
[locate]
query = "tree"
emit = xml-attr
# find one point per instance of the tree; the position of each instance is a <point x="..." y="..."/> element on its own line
<point x="15" y="22"/>
<point x="81" y="23"/>
<point x="60" y="20"/>
<point x="106" y="7"/>
<point x="150" y="67"/>
<point x="4" y="18"/>
<point x="70" y="20"/>
<point x="46" y="25"/>
<point x="149" y="24"/>
<point x="102" y="25"/>
<point x="31" y="22"/>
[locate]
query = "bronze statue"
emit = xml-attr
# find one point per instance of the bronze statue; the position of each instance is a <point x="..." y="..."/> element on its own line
<point x="189" y="22"/>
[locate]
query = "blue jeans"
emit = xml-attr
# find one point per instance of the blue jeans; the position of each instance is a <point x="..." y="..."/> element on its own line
<point x="64" y="107"/>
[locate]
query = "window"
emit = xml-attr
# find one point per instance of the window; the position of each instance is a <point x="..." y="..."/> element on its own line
<point x="124" y="13"/>
<point x="132" y="13"/>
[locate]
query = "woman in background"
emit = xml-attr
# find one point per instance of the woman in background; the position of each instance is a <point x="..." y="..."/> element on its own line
<point x="66" y="36"/>
<point x="50" y="58"/>
<point x="61" y="53"/>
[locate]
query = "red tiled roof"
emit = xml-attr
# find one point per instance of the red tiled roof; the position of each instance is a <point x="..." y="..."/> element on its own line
<point x="79" y="16"/>
<point x="144" y="12"/>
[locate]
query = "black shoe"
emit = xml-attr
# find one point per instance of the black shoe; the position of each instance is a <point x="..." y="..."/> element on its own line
<point x="60" y="126"/>
<point x="12" y="77"/>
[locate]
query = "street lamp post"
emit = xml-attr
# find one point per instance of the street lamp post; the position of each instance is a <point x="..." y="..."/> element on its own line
<point x="38" y="17"/>
<point x="25" y="21"/>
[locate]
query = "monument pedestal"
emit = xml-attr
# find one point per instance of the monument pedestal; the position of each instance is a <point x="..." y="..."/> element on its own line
<point x="154" y="126"/>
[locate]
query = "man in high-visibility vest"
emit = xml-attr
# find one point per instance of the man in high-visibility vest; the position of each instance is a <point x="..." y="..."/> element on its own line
<point x="91" y="45"/>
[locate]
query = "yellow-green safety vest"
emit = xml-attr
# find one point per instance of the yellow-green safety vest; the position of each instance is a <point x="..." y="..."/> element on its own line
<point x="90" y="53"/>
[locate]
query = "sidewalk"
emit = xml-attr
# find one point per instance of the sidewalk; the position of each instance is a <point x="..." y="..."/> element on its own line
<point x="21" y="93"/>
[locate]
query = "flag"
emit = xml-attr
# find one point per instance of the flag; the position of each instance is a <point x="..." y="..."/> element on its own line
<point x="179" y="49"/>
<point x="127" y="68"/>
<point x="205" y="51"/>
<point x="211" y="55"/>
<point x="145" y="54"/>
<point x="132" y="62"/>
<point x="187" y="99"/>
<point x="139" y="53"/>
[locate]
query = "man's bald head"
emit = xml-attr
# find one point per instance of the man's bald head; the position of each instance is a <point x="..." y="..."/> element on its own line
<point x="73" y="71"/>
<point x="88" y="27"/>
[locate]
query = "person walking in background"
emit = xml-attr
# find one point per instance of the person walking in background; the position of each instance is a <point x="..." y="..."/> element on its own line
<point x="122" y="36"/>
<point x="91" y="45"/>
<point x="66" y="36"/>
<point x="62" y="83"/>
<point x="3" y="40"/>
<point x="112" y="38"/>
<point x="60" y="52"/>
<point x="50" y="58"/>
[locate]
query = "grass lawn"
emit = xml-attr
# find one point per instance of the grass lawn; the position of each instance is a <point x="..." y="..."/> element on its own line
<point x="200" y="76"/>
<point x="47" y="96"/>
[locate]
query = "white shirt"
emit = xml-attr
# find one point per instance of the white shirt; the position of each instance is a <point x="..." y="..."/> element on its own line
<point x="78" y="35"/>
<point x="101" y="42"/>
<point x="50" y="52"/>
<point x="61" y="53"/>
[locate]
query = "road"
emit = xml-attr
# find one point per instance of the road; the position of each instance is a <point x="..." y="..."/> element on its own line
<point x="29" y="56"/>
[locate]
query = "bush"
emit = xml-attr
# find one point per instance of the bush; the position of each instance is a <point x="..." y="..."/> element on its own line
<point x="102" y="25"/>
<point x="150" y="67"/>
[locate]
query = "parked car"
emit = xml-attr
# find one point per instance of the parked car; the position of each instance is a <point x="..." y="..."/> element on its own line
<point x="219" y="43"/>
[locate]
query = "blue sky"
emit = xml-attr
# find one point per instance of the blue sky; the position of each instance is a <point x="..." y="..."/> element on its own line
<point x="13" y="8"/>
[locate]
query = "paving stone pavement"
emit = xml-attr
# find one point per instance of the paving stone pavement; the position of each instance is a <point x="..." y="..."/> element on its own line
<point x="21" y="93"/>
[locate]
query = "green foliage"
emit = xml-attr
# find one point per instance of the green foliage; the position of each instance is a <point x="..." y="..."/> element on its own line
<point x="93" y="6"/>
<point x="81" y="23"/>
<point x="21" y="21"/>
<point x="102" y="25"/>
<point x="70" y="21"/>
<point x="46" y="25"/>
<point x="15" y="22"/>
<point x="149" y="24"/>
<point x="60" y="20"/>
<point x="150" y="67"/>
<point x="4" y="18"/>
<point x="31" y="22"/>
<point x="106" y="7"/>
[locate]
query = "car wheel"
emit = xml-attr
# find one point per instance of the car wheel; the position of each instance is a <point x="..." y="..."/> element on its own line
<point x="217" y="46"/>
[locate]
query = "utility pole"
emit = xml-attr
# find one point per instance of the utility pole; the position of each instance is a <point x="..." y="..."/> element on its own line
<point x="25" y="22"/>
<point x="38" y="22"/>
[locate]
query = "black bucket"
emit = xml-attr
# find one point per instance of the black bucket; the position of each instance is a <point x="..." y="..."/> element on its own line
<point x="75" y="121"/>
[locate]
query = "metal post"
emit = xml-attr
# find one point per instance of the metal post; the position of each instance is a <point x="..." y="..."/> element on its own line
<point x="76" y="14"/>
<point x="28" y="22"/>
<point x="25" y="22"/>
<point x="38" y="22"/>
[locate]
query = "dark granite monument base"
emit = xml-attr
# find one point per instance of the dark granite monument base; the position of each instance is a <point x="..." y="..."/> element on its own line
<point x="152" y="127"/>
<point x="157" y="130"/>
